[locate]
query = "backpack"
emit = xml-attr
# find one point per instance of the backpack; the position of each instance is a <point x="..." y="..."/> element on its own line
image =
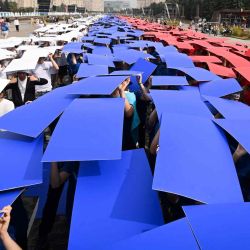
<point x="4" y="27"/>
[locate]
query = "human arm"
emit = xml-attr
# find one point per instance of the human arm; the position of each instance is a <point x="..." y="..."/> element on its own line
<point x="7" y="241"/>
<point x="129" y="109"/>
<point x="38" y="81"/>
<point x="54" y="64"/>
<point x="57" y="178"/>
<point x="144" y="91"/>
<point x="155" y="143"/>
<point x="11" y="84"/>
<point x="240" y="151"/>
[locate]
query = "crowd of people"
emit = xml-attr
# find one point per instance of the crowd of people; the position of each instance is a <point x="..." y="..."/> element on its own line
<point x="58" y="66"/>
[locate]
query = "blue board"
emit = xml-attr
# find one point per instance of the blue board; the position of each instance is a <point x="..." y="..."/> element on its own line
<point x="24" y="120"/>
<point x="169" y="81"/>
<point x="126" y="73"/>
<point x="167" y="49"/>
<point x="143" y="66"/>
<point x="102" y="50"/>
<point x="86" y="70"/>
<point x="239" y="129"/>
<point x="8" y="197"/>
<point x="102" y="85"/>
<point x="222" y="226"/>
<point x="220" y="87"/>
<point x="175" y="60"/>
<point x="79" y="136"/>
<point x="95" y="59"/>
<point x="21" y="161"/>
<point x="102" y="40"/>
<point x="117" y="198"/>
<point x="181" y="102"/>
<point x="176" y="235"/>
<point x="230" y="109"/>
<point x="194" y="161"/>
<point x="198" y="74"/>
<point x="130" y="56"/>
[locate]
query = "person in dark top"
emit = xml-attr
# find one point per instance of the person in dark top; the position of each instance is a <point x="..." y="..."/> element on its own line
<point x="23" y="88"/>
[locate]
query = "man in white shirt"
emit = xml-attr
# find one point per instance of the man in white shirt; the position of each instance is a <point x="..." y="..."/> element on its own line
<point x="44" y="69"/>
<point x="16" y="23"/>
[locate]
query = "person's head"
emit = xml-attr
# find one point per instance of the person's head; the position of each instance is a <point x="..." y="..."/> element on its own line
<point x="41" y="60"/>
<point x="21" y="75"/>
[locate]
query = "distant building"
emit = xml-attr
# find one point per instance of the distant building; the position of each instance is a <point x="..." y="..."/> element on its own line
<point x="94" y="5"/>
<point x="232" y="17"/>
<point x="25" y="3"/>
<point x="71" y="5"/>
<point x="115" y="6"/>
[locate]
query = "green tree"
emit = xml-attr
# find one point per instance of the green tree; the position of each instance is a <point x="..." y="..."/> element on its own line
<point x="13" y="6"/>
<point x="6" y="6"/>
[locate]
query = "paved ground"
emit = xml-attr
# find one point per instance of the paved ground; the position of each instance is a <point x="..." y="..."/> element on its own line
<point x="25" y="29"/>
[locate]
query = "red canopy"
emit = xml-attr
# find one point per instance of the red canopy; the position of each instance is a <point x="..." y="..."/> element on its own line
<point x="221" y="70"/>
<point x="206" y="59"/>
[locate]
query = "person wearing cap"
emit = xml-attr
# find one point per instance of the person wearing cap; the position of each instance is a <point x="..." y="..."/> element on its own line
<point x="8" y="242"/>
<point x="23" y="88"/>
<point x="44" y="69"/>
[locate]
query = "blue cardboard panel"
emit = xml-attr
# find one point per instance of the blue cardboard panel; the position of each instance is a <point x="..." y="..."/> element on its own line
<point x="126" y="73"/>
<point x="102" y="233"/>
<point x="136" y="201"/>
<point x="102" y="85"/>
<point x="238" y="129"/>
<point x="101" y="50"/>
<point x="161" y="238"/>
<point x="86" y="70"/>
<point x="88" y="38"/>
<point x="23" y="120"/>
<point x="120" y="189"/>
<point x="144" y="66"/>
<point x="220" y="226"/>
<point x="230" y="109"/>
<point x="194" y="161"/>
<point x="117" y="198"/>
<point x="73" y="47"/>
<point x="8" y="197"/>
<point x="219" y="88"/>
<point x="100" y="60"/>
<point x="79" y="137"/>
<point x="21" y="158"/>
<point x="167" y="49"/>
<point x="130" y="56"/>
<point x="102" y="40"/>
<point x="198" y="74"/>
<point x="174" y="60"/>
<point x="180" y="102"/>
<point x="169" y="81"/>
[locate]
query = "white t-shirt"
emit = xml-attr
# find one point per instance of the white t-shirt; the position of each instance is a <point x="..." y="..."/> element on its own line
<point x="16" y="22"/>
<point x="22" y="87"/>
<point x="5" y="106"/>
<point x="44" y="71"/>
